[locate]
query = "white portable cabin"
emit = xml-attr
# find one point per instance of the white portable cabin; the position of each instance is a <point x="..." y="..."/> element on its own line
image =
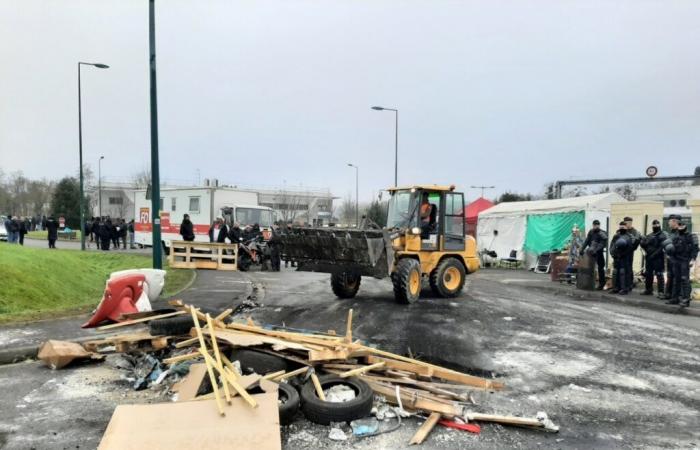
<point x="203" y="204"/>
<point x="504" y="227"/>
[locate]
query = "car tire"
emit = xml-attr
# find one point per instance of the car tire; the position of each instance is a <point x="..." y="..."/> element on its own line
<point x="171" y="326"/>
<point x="323" y="412"/>
<point x="345" y="285"/>
<point x="407" y="281"/>
<point x="289" y="402"/>
<point x="258" y="362"/>
<point x="447" y="280"/>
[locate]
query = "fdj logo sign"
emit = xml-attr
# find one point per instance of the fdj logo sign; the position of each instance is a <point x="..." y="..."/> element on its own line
<point x="145" y="215"/>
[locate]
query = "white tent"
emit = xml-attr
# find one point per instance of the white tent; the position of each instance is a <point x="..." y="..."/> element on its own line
<point x="503" y="227"/>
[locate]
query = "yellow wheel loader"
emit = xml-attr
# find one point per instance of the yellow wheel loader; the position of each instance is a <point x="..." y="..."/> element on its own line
<point x="424" y="238"/>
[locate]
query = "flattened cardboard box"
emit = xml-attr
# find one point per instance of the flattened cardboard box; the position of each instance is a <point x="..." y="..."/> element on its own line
<point x="195" y="425"/>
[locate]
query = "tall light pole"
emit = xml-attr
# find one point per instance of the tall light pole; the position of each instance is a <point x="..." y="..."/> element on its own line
<point x="396" y="141"/>
<point x="80" y="151"/>
<point x="99" y="186"/>
<point x="155" y="171"/>
<point x="357" y="194"/>
<point x="482" y="188"/>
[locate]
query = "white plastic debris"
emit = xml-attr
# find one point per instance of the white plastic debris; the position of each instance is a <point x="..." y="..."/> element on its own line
<point x="337" y="434"/>
<point x="339" y="393"/>
<point x="576" y="387"/>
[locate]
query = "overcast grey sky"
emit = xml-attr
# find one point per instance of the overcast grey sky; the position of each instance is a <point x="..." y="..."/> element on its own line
<point x="511" y="93"/>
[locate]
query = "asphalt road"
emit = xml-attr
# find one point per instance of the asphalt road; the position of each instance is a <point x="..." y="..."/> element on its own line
<point x="611" y="376"/>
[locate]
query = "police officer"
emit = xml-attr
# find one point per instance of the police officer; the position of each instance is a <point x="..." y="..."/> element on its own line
<point x="596" y="243"/>
<point x="275" y="243"/>
<point x="684" y="249"/>
<point x="636" y="239"/>
<point x="673" y="221"/>
<point x="620" y="249"/>
<point x="652" y="244"/>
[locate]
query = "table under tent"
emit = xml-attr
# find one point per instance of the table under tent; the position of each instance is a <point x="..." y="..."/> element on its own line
<point x="519" y="232"/>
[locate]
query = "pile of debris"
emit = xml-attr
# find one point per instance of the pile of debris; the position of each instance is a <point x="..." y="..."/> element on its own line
<point x="255" y="378"/>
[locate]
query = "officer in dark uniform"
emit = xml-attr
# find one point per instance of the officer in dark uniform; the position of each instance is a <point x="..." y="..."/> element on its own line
<point x="684" y="249"/>
<point x="596" y="242"/>
<point x="620" y="249"/>
<point x="636" y="239"/>
<point x="275" y="243"/>
<point x="673" y="221"/>
<point x="652" y="244"/>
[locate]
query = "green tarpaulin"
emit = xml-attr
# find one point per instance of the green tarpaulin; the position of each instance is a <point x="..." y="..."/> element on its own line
<point x="547" y="232"/>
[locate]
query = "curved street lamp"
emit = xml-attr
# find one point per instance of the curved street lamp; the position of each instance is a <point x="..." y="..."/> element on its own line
<point x="396" y="140"/>
<point x="80" y="150"/>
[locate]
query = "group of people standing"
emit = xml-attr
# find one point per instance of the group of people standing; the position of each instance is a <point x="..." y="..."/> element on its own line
<point x="669" y="253"/>
<point x="105" y="233"/>
<point x="219" y="232"/>
<point x="16" y="228"/>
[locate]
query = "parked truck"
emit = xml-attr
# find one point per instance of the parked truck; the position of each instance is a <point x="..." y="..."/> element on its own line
<point x="204" y="205"/>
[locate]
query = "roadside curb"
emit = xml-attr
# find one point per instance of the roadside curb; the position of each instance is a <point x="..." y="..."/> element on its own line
<point x="611" y="298"/>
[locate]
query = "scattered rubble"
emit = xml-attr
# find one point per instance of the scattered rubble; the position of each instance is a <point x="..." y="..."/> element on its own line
<point x="334" y="380"/>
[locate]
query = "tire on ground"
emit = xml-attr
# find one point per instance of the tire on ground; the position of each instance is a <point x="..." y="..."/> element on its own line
<point x="258" y="362"/>
<point x="447" y="280"/>
<point x="289" y="401"/>
<point x="171" y="326"/>
<point x="322" y="412"/>
<point x="344" y="284"/>
<point x="407" y="281"/>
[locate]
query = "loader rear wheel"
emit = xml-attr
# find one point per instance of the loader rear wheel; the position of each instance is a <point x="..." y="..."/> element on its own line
<point x="447" y="279"/>
<point x="407" y="281"/>
<point x="345" y="285"/>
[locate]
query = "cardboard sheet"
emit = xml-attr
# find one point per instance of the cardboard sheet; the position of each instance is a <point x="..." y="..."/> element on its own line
<point x="58" y="354"/>
<point x="195" y="425"/>
<point x="187" y="388"/>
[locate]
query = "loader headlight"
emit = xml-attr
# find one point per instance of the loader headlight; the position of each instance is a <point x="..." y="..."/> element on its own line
<point x="415" y="230"/>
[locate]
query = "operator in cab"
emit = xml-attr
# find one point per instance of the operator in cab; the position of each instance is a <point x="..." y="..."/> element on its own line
<point x="426" y="216"/>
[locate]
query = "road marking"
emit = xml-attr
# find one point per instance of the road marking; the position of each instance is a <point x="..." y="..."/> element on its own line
<point x="235" y="281"/>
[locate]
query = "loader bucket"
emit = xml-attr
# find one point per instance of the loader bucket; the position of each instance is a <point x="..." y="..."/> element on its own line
<point x="332" y="250"/>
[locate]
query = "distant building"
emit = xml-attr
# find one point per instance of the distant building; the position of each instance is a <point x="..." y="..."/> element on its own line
<point x="675" y="199"/>
<point x="298" y="205"/>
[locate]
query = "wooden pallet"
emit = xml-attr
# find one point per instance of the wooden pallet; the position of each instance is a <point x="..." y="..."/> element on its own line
<point x="129" y="342"/>
<point x="203" y="255"/>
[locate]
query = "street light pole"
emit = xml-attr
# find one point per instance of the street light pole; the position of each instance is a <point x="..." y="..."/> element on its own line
<point x="396" y="140"/>
<point x="357" y="194"/>
<point x="99" y="186"/>
<point x="482" y="188"/>
<point x="80" y="151"/>
<point x="155" y="172"/>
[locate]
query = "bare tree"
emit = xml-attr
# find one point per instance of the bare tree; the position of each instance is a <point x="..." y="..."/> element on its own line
<point x="348" y="210"/>
<point x="288" y="205"/>
<point x="142" y="179"/>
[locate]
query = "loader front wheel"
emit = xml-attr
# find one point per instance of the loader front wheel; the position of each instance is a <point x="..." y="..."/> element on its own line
<point x="447" y="279"/>
<point x="345" y="285"/>
<point x="407" y="281"/>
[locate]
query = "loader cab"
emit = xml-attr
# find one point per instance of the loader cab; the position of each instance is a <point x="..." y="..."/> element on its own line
<point x="432" y="217"/>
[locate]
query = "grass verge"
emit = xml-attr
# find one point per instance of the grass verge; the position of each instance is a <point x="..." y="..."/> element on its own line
<point x="44" y="235"/>
<point x="41" y="283"/>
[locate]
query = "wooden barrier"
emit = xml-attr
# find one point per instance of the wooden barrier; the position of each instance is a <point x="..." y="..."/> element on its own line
<point x="203" y="255"/>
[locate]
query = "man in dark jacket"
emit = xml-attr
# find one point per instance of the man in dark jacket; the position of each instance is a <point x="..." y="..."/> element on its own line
<point x="104" y="232"/>
<point x="275" y="245"/>
<point x="51" y="231"/>
<point x="187" y="229"/>
<point x="636" y="239"/>
<point x="23" y="229"/>
<point x="132" y="233"/>
<point x="684" y="250"/>
<point x="620" y="249"/>
<point x="673" y="221"/>
<point x="652" y="244"/>
<point x="218" y="232"/>
<point x="235" y="233"/>
<point x="122" y="233"/>
<point x="596" y="243"/>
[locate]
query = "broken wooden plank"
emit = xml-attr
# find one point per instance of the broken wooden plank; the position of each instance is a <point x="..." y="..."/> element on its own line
<point x="210" y="370"/>
<point x="361" y="370"/>
<point x="291" y="374"/>
<point x="142" y="320"/>
<point x="317" y="385"/>
<point x="401" y="365"/>
<point x="217" y="358"/>
<point x="410" y="400"/>
<point x="425" y="429"/>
